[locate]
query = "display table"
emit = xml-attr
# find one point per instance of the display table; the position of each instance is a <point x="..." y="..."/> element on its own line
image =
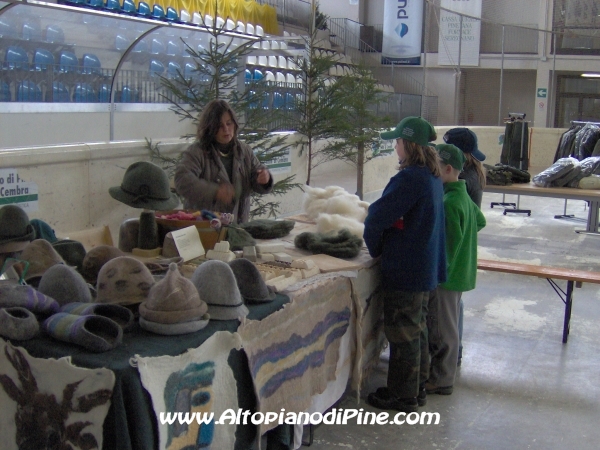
<point x="131" y="422"/>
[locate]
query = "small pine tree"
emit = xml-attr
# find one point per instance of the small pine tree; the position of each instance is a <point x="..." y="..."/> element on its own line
<point x="218" y="73"/>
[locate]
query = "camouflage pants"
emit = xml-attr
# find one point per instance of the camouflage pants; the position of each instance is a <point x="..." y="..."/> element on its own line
<point x="404" y="315"/>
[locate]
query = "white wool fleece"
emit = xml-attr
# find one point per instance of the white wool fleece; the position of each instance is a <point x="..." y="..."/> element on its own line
<point x="333" y="200"/>
<point x="335" y="222"/>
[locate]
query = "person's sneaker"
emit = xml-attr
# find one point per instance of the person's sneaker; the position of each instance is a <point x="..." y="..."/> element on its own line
<point x="382" y="399"/>
<point x="440" y="390"/>
<point x="422" y="397"/>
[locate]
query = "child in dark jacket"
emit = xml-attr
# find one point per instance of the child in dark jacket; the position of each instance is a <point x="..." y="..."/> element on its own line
<point x="463" y="220"/>
<point x="405" y="227"/>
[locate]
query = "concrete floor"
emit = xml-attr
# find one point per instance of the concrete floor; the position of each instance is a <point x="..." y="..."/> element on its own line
<point x="519" y="386"/>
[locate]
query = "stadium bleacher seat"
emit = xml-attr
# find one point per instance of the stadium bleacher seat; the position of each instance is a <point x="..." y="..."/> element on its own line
<point x="42" y="60"/>
<point x="55" y="34"/>
<point x="129" y="95"/>
<point x="143" y="10"/>
<point x="16" y="58"/>
<point x="171" y="15"/>
<point x="91" y="64"/>
<point x="156" y="68"/>
<point x="129" y="7"/>
<point x="84" y="93"/>
<point x="5" y="94"/>
<point x="7" y="30"/>
<point x="173" y="70"/>
<point x="28" y="91"/>
<point x="67" y="62"/>
<point x="104" y="93"/>
<point x="60" y="93"/>
<point x="31" y="32"/>
<point x="158" y="12"/>
<point x="157" y="47"/>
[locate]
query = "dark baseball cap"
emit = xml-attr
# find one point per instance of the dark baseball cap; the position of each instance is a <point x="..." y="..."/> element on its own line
<point x="465" y="140"/>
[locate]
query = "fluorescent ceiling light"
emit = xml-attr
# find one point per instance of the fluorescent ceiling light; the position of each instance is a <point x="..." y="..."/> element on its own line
<point x="591" y="75"/>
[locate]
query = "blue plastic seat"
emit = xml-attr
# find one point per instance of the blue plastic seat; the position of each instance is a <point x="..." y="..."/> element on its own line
<point x="43" y="60"/>
<point x="31" y="32"/>
<point x="67" y="62"/>
<point x="121" y="42"/>
<point x="143" y="10"/>
<point x="157" y="47"/>
<point x="172" y="15"/>
<point x="28" y="91"/>
<point x="278" y="100"/>
<point x="104" y="93"/>
<point x="91" y="64"/>
<point x="158" y="12"/>
<point x="129" y="95"/>
<point x="113" y="5"/>
<point x="60" y="93"/>
<point x="84" y="93"/>
<point x="55" y="34"/>
<point x="96" y="4"/>
<point x="5" y="94"/>
<point x="247" y="76"/>
<point x="173" y="48"/>
<point x="156" y="68"/>
<point x="7" y="30"/>
<point x="252" y="97"/>
<point x="140" y="47"/>
<point x="258" y="75"/>
<point x="16" y="58"/>
<point x="173" y="70"/>
<point x="289" y="101"/>
<point x="189" y="71"/>
<point x="129" y="7"/>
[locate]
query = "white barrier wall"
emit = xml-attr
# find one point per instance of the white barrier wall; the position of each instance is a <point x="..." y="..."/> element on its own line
<point x="73" y="181"/>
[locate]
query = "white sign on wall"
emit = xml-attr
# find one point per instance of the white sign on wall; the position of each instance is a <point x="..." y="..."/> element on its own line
<point x="450" y="30"/>
<point x="402" y="30"/>
<point x="15" y="190"/>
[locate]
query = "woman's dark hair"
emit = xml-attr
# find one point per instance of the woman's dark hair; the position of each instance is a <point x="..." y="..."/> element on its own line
<point x="420" y="155"/>
<point x="209" y="122"/>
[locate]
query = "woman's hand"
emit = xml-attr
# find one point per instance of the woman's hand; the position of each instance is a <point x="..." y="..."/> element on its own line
<point x="263" y="176"/>
<point x="225" y="193"/>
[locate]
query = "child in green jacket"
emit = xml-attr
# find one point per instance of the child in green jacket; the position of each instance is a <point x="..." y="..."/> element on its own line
<point x="463" y="219"/>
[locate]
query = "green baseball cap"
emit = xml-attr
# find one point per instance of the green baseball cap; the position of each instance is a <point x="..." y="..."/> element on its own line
<point x="451" y="154"/>
<point x="411" y="128"/>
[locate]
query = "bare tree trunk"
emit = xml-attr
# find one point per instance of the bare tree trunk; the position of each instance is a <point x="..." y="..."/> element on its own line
<point x="360" y="166"/>
<point x="309" y="161"/>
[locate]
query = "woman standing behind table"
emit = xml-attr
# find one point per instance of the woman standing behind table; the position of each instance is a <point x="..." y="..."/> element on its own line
<point x="218" y="172"/>
<point x="405" y="227"/>
<point x="474" y="175"/>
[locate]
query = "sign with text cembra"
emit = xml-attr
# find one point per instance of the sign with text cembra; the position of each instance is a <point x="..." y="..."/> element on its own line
<point x="402" y="31"/>
<point x="450" y="31"/>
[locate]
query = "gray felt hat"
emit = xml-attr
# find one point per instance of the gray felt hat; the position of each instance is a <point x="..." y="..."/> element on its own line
<point x="72" y="252"/>
<point x="217" y="286"/>
<point x="96" y="258"/>
<point x="28" y="298"/>
<point x="65" y="285"/>
<point x="174" y="306"/>
<point x="145" y="185"/>
<point x="251" y="284"/>
<point x="123" y="280"/>
<point x="15" y="229"/>
<point x="41" y="256"/>
<point x="18" y="323"/>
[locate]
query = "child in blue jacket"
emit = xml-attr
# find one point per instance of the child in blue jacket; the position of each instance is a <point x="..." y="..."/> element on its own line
<point x="405" y="227"/>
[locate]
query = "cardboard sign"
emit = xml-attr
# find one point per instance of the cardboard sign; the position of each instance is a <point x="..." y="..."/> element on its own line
<point x="187" y="241"/>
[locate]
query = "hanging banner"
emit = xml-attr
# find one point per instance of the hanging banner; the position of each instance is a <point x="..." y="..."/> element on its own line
<point x="402" y="31"/>
<point x="450" y="27"/>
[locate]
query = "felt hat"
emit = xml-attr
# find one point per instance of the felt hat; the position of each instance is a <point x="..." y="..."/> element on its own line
<point x="123" y="280"/>
<point x="40" y="255"/>
<point x="451" y="154"/>
<point x="18" y="323"/>
<point x="43" y="230"/>
<point x="465" y="140"/>
<point x="251" y="284"/>
<point x="117" y="313"/>
<point x="268" y="228"/>
<point x="15" y="229"/>
<point x="96" y="258"/>
<point x="413" y="129"/>
<point x="173" y="306"/>
<point x="217" y="286"/>
<point x="72" y="252"/>
<point x="65" y="285"/>
<point x="96" y="333"/>
<point x="28" y="298"/>
<point x="145" y="185"/>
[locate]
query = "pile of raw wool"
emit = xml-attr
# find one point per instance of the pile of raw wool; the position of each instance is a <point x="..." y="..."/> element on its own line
<point x="333" y="208"/>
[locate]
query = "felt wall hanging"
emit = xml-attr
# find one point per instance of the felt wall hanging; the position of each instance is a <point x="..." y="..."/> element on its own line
<point x="49" y="403"/>
<point x="198" y="381"/>
<point x="293" y="353"/>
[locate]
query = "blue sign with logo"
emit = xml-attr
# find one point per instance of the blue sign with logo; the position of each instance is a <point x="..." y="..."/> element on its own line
<point x="402" y="30"/>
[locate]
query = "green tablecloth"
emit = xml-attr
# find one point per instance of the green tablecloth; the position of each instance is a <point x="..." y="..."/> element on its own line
<point x="131" y="422"/>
